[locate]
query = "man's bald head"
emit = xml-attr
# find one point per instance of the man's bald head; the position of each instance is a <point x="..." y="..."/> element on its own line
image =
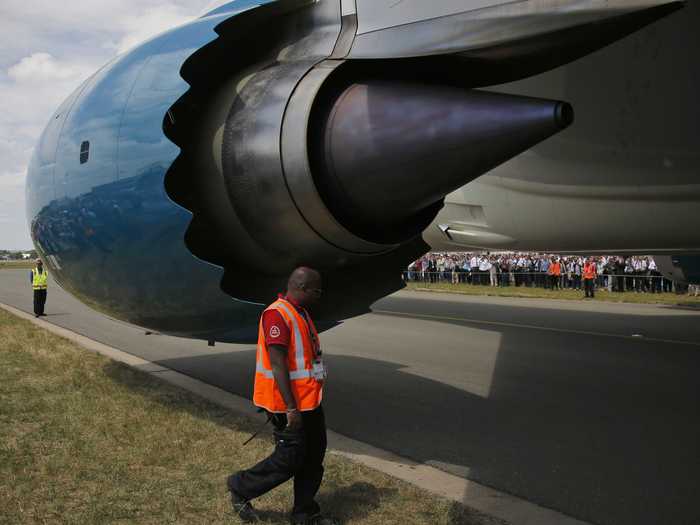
<point x="304" y="285"/>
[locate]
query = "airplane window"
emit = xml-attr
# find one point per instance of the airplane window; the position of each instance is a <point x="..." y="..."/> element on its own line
<point x="84" y="152"/>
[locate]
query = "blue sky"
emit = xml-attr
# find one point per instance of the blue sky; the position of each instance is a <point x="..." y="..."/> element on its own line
<point x="48" y="49"/>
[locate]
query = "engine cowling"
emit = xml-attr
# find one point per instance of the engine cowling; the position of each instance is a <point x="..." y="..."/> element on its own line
<point x="303" y="158"/>
<point x="178" y="186"/>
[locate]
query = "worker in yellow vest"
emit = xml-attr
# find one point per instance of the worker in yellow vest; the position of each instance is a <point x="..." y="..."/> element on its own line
<point x="289" y="379"/>
<point x="38" y="277"/>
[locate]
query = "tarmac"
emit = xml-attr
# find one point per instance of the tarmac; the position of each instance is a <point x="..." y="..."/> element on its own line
<point x="586" y="408"/>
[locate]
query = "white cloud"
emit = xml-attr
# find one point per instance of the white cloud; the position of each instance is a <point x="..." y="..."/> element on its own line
<point x="42" y="67"/>
<point x="48" y="49"/>
<point x="150" y="23"/>
<point x="34" y="87"/>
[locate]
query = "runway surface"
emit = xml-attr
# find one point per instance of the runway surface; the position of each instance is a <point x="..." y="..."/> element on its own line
<point x="587" y="408"/>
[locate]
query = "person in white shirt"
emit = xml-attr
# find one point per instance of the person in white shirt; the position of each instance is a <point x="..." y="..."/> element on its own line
<point x="654" y="277"/>
<point x="600" y="268"/>
<point x="465" y="271"/>
<point x="484" y="267"/>
<point x="474" y="265"/>
<point x="493" y="273"/>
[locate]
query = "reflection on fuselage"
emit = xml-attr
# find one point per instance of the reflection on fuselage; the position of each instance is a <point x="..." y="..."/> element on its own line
<point x="107" y="226"/>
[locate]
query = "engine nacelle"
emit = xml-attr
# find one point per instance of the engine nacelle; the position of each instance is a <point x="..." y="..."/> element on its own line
<point x="180" y="184"/>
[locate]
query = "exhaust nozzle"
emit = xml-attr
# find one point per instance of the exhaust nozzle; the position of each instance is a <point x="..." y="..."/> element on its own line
<point x="388" y="153"/>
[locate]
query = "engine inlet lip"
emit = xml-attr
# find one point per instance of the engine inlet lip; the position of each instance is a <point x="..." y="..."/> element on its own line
<point x="299" y="147"/>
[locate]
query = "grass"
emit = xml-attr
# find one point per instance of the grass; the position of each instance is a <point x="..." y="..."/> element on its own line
<point x="17" y="265"/>
<point x="86" y="440"/>
<point x="541" y="293"/>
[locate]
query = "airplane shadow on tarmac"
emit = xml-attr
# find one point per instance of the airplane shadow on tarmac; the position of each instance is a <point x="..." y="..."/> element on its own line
<point x="603" y="430"/>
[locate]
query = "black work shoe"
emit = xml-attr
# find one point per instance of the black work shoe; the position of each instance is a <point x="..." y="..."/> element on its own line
<point x="316" y="519"/>
<point x="243" y="508"/>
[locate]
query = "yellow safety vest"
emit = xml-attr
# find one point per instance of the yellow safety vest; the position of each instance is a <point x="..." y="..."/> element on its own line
<point x="39" y="279"/>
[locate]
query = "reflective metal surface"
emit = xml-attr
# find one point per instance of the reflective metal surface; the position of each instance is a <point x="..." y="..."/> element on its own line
<point x="202" y="187"/>
<point x="107" y="228"/>
<point x="625" y="178"/>
<point x="471" y="26"/>
<point x="391" y="151"/>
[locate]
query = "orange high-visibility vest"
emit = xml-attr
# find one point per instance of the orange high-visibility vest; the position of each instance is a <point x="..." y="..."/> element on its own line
<point x="589" y="271"/>
<point x="303" y="349"/>
<point x="555" y="269"/>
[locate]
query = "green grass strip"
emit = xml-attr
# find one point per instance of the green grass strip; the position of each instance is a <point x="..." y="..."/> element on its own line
<point x="568" y="294"/>
<point x="87" y="440"/>
<point x="17" y="265"/>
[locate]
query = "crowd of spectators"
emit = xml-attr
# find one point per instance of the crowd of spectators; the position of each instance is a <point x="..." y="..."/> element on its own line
<point x="614" y="273"/>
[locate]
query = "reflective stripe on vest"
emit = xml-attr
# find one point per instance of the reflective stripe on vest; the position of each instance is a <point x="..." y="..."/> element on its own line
<point x="307" y="391"/>
<point x="293" y="374"/>
<point x="299" y="357"/>
<point x="39" y="280"/>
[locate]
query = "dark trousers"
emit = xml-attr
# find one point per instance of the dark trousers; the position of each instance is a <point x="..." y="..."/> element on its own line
<point x="554" y="282"/>
<point x="667" y="286"/>
<point x="39" y="301"/>
<point x="589" y="285"/>
<point x="655" y="282"/>
<point x="297" y="455"/>
<point x="620" y="283"/>
<point x="505" y="278"/>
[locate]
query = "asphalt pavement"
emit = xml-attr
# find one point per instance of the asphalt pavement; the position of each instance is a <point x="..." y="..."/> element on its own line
<point x="587" y="408"/>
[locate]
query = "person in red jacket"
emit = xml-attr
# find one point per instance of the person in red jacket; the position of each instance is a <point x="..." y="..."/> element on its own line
<point x="590" y="272"/>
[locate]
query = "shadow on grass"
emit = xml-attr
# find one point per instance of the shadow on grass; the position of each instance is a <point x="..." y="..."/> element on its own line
<point x="461" y="515"/>
<point x="354" y="502"/>
<point x="170" y="396"/>
<point x="347" y="503"/>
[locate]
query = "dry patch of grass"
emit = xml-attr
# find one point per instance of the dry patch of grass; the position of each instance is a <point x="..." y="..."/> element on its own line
<point x="542" y="293"/>
<point x="87" y="440"/>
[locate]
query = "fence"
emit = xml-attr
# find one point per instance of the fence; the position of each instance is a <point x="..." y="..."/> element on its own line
<point x="651" y="282"/>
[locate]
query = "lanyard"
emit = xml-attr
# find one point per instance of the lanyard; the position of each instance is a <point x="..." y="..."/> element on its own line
<point x="316" y="346"/>
<point x="314" y="340"/>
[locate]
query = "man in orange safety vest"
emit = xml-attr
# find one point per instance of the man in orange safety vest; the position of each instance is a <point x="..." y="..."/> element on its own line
<point x="554" y="272"/>
<point x="589" y="274"/>
<point x="289" y="378"/>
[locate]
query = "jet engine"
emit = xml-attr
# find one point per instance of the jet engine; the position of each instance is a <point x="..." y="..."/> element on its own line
<point x="178" y="187"/>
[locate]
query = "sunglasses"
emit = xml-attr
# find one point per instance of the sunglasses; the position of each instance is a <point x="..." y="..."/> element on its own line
<point x="314" y="291"/>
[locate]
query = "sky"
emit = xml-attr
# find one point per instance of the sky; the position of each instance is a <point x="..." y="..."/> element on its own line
<point x="46" y="50"/>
